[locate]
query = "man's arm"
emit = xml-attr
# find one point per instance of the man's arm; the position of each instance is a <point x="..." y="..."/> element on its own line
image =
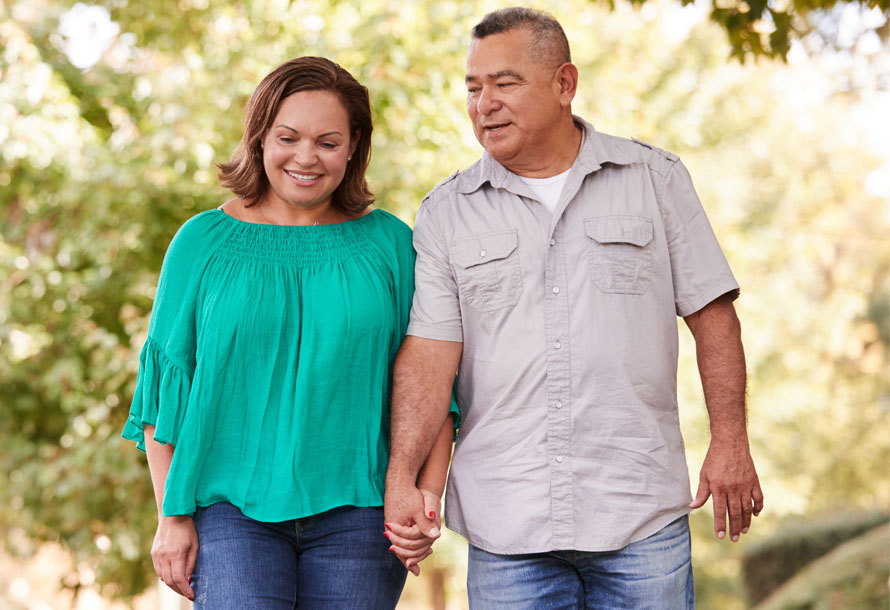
<point x="728" y="473"/>
<point x="422" y="381"/>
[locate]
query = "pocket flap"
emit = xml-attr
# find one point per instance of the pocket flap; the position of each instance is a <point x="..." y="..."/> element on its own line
<point x="619" y="230"/>
<point x="478" y="249"/>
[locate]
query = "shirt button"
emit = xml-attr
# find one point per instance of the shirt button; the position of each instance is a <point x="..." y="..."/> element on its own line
<point x="559" y="459"/>
<point x="556" y="290"/>
<point x="559" y="404"/>
<point x="552" y="242"/>
<point x="557" y="345"/>
<point x="483" y="253"/>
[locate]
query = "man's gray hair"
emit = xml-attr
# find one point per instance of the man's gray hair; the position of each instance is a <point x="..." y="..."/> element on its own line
<point x="549" y="43"/>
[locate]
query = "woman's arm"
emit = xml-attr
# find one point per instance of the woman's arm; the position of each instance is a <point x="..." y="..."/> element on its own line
<point x="435" y="469"/>
<point x="175" y="547"/>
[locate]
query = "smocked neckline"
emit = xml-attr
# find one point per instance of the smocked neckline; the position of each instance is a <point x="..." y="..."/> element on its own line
<point x="263" y="225"/>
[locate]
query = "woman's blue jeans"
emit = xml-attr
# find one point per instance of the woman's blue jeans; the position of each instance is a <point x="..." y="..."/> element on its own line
<point x="652" y="574"/>
<point x="336" y="560"/>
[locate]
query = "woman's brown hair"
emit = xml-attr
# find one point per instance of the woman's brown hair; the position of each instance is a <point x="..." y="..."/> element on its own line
<point x="244" y="173"/>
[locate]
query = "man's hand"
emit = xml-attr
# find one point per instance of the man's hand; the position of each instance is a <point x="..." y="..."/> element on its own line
<point x="411" y="517"/>
<point x="174" y="552"/>
<point x="729" y="476"/>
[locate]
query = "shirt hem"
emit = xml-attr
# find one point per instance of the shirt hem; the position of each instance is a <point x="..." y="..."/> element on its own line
<point x="718" y="289"/>
<point x="277" y="518"/>
<point x="438" y="333"/>
<point x="642" y="534"/>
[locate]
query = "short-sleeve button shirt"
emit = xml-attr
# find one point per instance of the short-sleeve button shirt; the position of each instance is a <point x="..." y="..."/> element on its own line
<point x="570" y="436"/>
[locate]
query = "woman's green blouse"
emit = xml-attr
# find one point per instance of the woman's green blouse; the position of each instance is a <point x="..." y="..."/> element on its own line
<point x="268" y="363"/>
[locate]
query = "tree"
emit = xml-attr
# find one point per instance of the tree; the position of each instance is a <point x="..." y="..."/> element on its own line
<point x="761" y="28"/>
<point x="100" y="163"/>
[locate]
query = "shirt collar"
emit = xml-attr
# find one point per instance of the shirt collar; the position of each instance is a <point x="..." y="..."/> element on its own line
<point x="596" y="149"/>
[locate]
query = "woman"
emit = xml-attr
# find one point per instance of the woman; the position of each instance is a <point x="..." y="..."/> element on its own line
<point x="263" y="388"/>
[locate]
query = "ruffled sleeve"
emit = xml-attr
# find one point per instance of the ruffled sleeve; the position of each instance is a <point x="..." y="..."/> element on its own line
<point x="167" y="360"/>
<point x="162" y="391"/>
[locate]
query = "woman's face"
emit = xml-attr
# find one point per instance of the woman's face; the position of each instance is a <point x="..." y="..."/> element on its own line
<point x="306" y="150"/>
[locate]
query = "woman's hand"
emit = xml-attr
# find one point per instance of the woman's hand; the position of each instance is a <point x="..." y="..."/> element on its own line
<point x="174" y="551"/>
<point x="411" y="545"/>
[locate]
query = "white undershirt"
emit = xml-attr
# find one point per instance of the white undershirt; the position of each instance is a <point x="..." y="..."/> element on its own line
<point x="548" y="189"/>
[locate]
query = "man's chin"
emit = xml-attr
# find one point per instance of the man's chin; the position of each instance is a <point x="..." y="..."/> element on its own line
<point x="499" y="150"/>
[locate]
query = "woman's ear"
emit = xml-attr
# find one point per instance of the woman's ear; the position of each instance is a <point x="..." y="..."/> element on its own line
<point x="354" y="143"/>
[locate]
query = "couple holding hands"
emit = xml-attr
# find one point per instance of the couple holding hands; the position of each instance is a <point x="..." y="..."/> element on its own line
<point x="298" y="391"/>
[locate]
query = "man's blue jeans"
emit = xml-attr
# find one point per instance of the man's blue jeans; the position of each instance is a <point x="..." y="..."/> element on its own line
<point x="654" y="573"/>
<point x="338" y="560"/>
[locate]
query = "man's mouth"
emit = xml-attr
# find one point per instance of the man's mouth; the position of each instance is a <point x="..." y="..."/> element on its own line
<point x="494" y="128"/>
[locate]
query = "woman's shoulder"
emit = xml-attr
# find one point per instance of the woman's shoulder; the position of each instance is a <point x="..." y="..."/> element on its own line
<point x="198" y="234"/>
<point x="391" y="223"/>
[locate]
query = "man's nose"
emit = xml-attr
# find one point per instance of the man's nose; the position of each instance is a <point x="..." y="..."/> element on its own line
<point x="487" y="101"/>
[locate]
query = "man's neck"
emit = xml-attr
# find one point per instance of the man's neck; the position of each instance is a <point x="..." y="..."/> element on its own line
<point x="557" y="155"/>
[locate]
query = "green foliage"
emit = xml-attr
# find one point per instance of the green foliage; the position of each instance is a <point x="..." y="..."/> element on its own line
<point x="854" y="575"/>
<point x="99" y="166"/>
<point x="758" y="28"/>
<point x="772" y="562"/>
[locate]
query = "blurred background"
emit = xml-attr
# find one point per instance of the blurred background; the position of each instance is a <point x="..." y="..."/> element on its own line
<point x="113" y="113"/>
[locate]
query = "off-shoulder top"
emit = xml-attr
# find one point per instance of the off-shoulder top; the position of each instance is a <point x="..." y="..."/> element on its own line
<point x="268" y="363"/>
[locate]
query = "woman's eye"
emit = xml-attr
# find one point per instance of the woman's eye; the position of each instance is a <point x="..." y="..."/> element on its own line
<point x="328" y="145"/>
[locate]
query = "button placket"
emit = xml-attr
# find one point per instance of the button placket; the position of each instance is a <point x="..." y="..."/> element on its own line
<point x="559" y="425"/>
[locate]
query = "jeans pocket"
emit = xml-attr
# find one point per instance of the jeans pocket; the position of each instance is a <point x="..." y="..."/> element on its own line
<point x="620" y="253"/>
<point x="487" y="270"/>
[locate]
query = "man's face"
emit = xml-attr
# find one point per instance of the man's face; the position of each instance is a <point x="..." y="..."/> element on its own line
<point x="513" y="102"/>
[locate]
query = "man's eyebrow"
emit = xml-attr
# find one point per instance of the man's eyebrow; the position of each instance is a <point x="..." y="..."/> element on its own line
<point x="504" y="73"/>
<point x="495" y="76"/>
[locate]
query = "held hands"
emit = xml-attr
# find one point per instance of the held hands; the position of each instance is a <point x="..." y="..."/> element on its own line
<point x="413" y="523"/>
<point x="729" y="476"/>
<point x="174" y="551"/>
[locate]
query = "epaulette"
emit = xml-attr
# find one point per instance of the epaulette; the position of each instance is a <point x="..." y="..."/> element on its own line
<point x="450" y="178"/>
<point x="667" y="155"/>
<point x="440" y="185"/>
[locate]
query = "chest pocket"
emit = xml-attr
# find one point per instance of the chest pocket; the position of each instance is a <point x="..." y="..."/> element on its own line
<point x="620" y="253"/>
<point x="487" y="270"/>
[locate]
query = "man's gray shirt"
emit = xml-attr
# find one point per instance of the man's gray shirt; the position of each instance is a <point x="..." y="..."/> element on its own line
<point x="567" y="385"/>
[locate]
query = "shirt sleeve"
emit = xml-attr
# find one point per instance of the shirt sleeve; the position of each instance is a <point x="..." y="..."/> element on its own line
<point x="435" y="313"/>
<point x="699" y="269"/>
<point x="167" y="360"/>
<point x="407" y="292"/>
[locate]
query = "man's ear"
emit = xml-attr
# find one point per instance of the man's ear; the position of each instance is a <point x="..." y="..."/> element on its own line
<point x="567" y="79"/>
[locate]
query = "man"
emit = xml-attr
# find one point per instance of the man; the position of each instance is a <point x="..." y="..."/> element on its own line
<point x="550" y="273"/>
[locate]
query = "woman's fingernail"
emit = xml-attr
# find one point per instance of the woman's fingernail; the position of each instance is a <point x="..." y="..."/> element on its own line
<point x="432" y="515"/>
<point x="387" y="526"/>
<point x="386" y="534"/>
<point x="392" y="549"/>
<point x="191" y="599"/>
